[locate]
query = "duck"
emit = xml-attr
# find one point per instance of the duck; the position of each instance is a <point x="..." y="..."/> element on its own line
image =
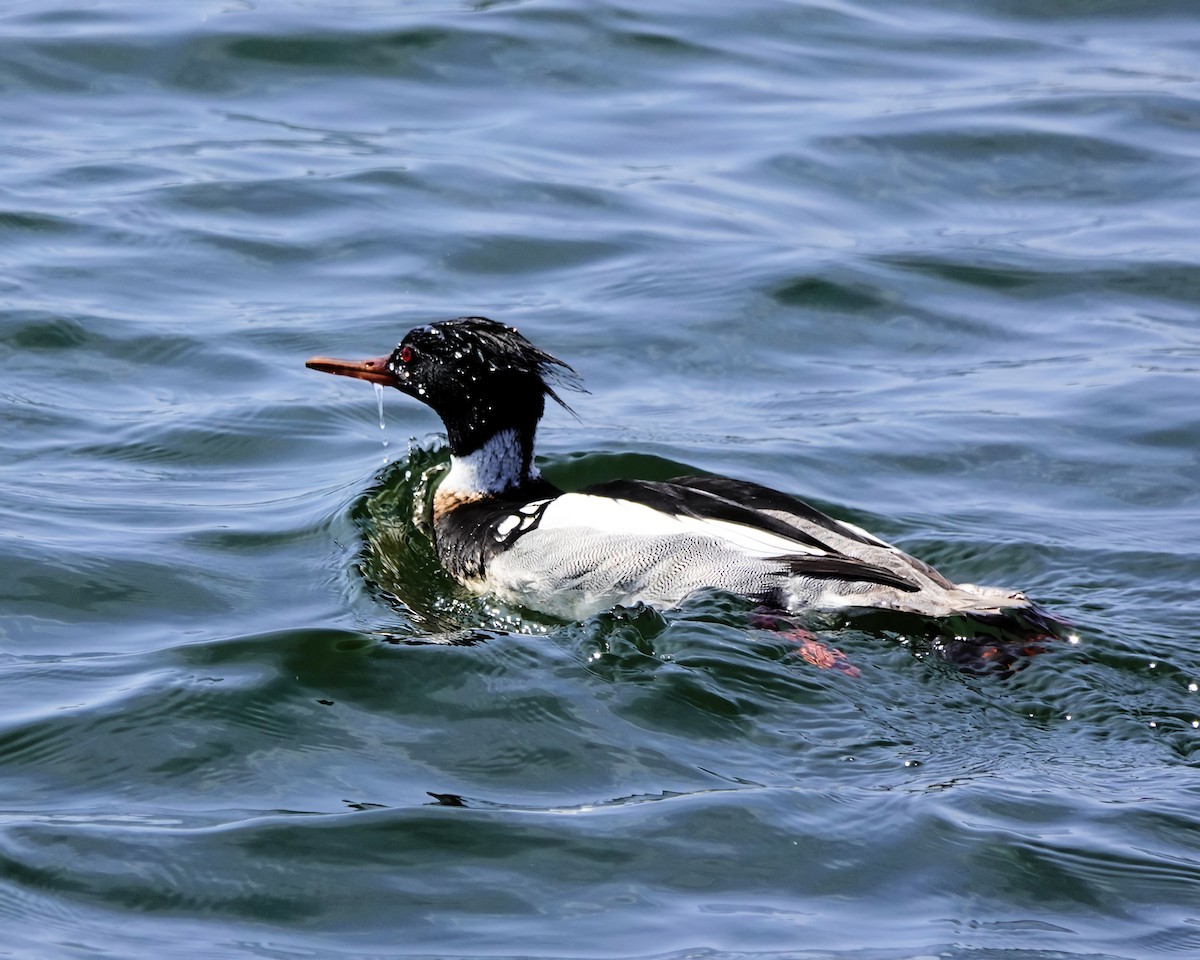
<point x="502" y="529"/>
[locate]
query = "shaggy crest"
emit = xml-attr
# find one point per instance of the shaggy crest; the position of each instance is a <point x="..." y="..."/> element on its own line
<point x="474" y="350"/>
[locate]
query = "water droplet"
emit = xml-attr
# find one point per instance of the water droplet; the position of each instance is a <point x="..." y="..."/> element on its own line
<point x="379" y="404"/>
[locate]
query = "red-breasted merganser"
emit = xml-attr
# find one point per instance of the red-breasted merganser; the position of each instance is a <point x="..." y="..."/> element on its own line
<point x="502" y="529"/>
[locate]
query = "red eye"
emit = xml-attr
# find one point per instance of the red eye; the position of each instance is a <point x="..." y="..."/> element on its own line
<point x="406" y="354"/>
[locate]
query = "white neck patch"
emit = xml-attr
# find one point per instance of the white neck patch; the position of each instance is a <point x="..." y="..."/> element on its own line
<point x="493" y="468"/>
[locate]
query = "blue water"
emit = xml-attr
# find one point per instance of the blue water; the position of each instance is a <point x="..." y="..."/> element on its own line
<point x="932" y="266"/>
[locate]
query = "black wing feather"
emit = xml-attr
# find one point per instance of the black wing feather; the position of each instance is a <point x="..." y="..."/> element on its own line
<point x="713" y="498"/>
<point x="845" y="568"/>
<point x="684" y="500"/>
<point x="758" y="497"/>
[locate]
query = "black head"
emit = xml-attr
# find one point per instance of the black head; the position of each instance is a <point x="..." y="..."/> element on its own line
<point x="479" y="376"/>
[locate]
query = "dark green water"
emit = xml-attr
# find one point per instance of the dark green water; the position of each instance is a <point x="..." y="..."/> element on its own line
<point x="935" y="266"/>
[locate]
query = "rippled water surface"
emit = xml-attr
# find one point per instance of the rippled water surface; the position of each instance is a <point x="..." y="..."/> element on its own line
<point x="934" y="266"/>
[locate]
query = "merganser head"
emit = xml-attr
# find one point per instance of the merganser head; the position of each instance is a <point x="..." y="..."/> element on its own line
<point x="479" y="376"/>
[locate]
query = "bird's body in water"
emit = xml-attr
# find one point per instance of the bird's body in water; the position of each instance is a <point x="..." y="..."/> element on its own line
<point x="502" y="529"/>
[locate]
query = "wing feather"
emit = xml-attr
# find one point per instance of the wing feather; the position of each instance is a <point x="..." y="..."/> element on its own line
<point x="630" y="510"/>
<point x="682" y="499"/>
<point x="757" y="497"/>
<point x="711" y="500"/>
<point x="846" y="568"/>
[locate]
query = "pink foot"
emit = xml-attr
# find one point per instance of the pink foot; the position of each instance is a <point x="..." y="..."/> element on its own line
<point x="820" y="655"/>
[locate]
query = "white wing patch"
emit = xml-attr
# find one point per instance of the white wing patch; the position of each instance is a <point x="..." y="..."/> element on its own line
<point x="525" y="519"/>
<point x="506" y="526"/>
<point x="615" y="516"/>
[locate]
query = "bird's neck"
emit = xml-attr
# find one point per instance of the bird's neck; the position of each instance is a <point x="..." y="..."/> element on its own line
<point x="501" y="464"/>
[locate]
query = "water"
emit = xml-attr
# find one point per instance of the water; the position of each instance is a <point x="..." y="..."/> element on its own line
<point x="933" y="266"/>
